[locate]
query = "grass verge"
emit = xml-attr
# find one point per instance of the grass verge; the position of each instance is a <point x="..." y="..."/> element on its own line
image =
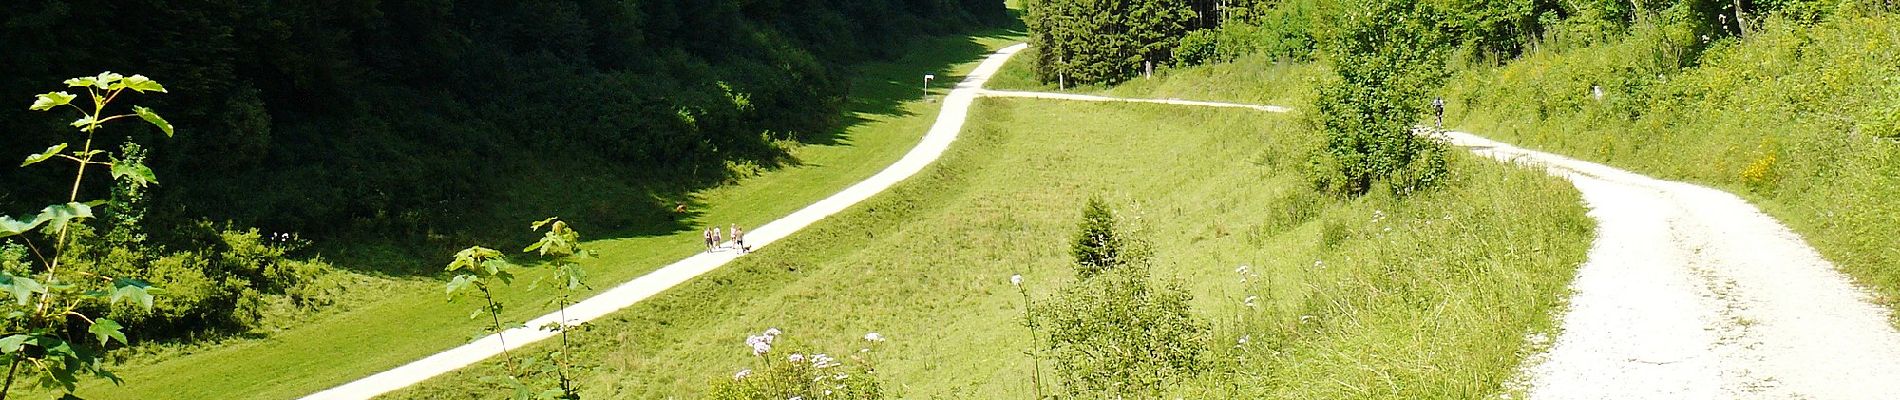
<point x="1376" y="297"/>
<point x="383" y="322"/>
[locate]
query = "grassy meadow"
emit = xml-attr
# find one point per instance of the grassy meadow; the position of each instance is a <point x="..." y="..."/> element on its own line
<point x="1427" y="297"/>
<point x="382" y="321"/>
<point x="1799" y="119"/>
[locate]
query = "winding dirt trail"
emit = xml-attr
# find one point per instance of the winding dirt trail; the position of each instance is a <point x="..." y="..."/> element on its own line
<point x="1688" y="292"/>
<point x="1692" y="293"/>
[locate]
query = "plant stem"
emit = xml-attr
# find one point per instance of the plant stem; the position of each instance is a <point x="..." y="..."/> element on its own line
<point x="496" y="318"/>
<point x="11" y="369"/>
<point x="52" y="267"/>
<point x="566" y="387"/>
<point x="1035" y="350"/>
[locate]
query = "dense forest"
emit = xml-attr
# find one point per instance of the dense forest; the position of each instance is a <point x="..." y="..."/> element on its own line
<point x="1093" y="42"/>
<point x="408" y="117"/>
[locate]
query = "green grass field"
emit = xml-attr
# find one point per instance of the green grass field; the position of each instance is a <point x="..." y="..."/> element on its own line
<point x="385" y="322"/>
<point x="1798" y="119"/>
<point x="1375" y="297"/>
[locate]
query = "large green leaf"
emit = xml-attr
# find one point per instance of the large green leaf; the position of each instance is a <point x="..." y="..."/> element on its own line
<point x="83" y="121"/>
<point x="58" y="215"/>
<point x="103" y="81"/>
<point x="52" y="99"/>
<point x="459" y="282"/>
<point x="45" y="155"/>
<point x="107" y="329"/>
<point x="152" y="117"/>
<point x="21" y="287"/>
<point x="136" y="173"/>
<point x="133" y="289"/>
<point x="13" y="227"/>
<point x="472" y="257"/>
<point x="139" y="83"/>
<point x="13" y="343"/>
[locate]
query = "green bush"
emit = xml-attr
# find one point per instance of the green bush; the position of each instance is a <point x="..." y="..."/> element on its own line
<point x="1118" y="334"/>
<point x="221" y="284"/>
<point x="1388" y="56"/>
<point x="1199" y="47"/>
<point x="1113" y="332"/>
<point x="1098" y="245"/>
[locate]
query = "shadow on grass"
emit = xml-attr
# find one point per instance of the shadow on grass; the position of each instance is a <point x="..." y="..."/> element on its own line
<point x="607" y="201"/>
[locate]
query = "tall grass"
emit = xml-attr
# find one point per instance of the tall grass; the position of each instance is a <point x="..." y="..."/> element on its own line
<point x="1799" y="118"/>
<point x="1375" y="297"/>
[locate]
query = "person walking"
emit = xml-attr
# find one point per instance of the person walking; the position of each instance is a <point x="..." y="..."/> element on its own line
<point x="716" y="240"/>
<point x="738" y="238"/>
<point x="1438" y="107"/>
<point x="705" y="236"/>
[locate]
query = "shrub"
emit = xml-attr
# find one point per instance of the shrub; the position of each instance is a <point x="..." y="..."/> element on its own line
<point x="1388" y="56"/>
<point x="1098" y="245"/>
<point x="1198" y="47"/>
<point x="1113" y="331"/>
<point x="1118" y="334"/>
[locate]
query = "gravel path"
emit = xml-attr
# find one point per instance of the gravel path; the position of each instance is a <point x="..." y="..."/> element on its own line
<point x="956" y="106"/>
<point x="1692" y="293"/>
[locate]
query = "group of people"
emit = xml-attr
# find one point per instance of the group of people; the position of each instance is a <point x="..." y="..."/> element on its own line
<point x="714" y="241"/>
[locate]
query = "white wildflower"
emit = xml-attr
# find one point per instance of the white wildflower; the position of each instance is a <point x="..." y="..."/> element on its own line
<point x="742" y="374"/>
<point x="760" y="344"/>
<point x="795" y="357"/>
<point x="771" y="333"/>
<point x="1016" y="280"/>
<point x="823" y="361"/>
<point x="1244" y="338"/>
<point x="1249" y="300"/>
<point x="1242" y="269"/>
<point x="1303" y="318"/>
<point x="873" y="337"/>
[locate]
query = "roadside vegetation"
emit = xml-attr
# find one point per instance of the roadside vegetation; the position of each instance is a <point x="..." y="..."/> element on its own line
<point x="1303" y="294"/>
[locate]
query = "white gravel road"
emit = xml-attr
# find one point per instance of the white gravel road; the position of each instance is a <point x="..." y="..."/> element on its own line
<point x="1692" y="293"/>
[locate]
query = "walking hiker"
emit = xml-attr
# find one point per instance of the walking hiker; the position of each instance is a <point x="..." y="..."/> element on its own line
<point x="716" y="240"/>
<point x="706" y="237"/>
<point x="738" y="239"/>
<point x="1438" y="107"/>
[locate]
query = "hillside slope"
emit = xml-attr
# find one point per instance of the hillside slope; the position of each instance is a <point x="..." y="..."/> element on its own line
<point x="402" y="118"/>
